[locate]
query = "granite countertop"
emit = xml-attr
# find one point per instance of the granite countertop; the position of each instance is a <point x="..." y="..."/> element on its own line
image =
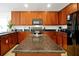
<point x="5" y="33"/>
<point x="40" y="44"/>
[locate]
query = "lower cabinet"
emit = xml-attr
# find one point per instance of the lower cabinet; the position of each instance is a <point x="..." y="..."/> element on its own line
<point x="51" y="34"/>
<point x="7" y="42"/>
<point x="65" y="40"/>
<point x="4" y="44"/>
<point x="58" y="37"/>
<point x="62" y="39"/>
<point x="12" y="39"/>
<point x="22" y="36"/>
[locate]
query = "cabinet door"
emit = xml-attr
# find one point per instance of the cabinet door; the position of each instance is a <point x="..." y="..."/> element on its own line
<point x="59" y="38"/>
<point x="26" y="18"/>
<point x="15" y="35"/>
<point x="22" y="36"/>
<point x="71" y="8"/>
<point x="78" y="6"/>
<point x="4" y="45"/>
<point x="65" y="40"/>
<point x="62" y="18"/>
<point x="78" y="18"/>
<point x="51" y="18"/>
<point x="51" y="34"/>
<point x="10" y="40"/>
<point x="15" y="17"/>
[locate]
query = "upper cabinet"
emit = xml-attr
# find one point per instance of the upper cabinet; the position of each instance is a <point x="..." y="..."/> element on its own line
<point x="51" y="18"/>
<point x="66" y="11"/>
<point x="15" y="17"/>
<point x="78" y="6"/>
<point x="48" y="17"/>
<point x="25" y="18"/>
<point x="62" y="18"/>
<point x="71" y="8"/>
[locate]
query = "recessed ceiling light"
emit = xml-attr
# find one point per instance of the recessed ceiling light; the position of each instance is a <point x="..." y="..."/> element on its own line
<point x="48" y="5"/>
<point x="25" y="5"/>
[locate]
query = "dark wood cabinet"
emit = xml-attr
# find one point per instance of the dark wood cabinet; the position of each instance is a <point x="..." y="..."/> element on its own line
<point x="4" y="44"/>
<point x="12" y="39"/>
<point x="59" y="38"/>
<point x="78" y="6"/>
<point x="22" y="36"/>
<point x="51" y="18"/>
<point x="71" y="8"/>
<point x="65" y="42"/>
<point x="52" y="35"/>
<point x="15" y="17"/>
<point x="25" y="18"/>
<point x="62" y="18"/>
<point x="66" y="11"/>
<point x="62" y="39"/>
<point x="7" y="42"/>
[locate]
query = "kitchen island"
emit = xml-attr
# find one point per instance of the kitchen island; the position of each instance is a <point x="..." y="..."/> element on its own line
<point x="38" y="46"/>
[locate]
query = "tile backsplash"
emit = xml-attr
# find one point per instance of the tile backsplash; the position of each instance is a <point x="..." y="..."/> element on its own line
<point x="46" y="27"/>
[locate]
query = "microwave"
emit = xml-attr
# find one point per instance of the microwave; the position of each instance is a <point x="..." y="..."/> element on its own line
<point x="37" y="22"/>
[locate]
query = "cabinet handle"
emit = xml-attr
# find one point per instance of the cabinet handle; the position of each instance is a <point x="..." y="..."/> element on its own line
<point x="6" y="41"/>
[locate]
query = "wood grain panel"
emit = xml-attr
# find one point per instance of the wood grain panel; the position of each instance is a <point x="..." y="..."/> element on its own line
<point x="52" y="35"/>
<point x="59" y="38"/>
<point x="22" y="36"/>
<point x="4" y="45"/>
<point x="65" y="40"/>
<point x="25" y="18"/>
<point x="62" y="18"/>
<point x="38" y="54"/>
<point x="15" y="17"/>
<point x="78" y="6"/>
<point x="52" y="18"/>
<point x="66" y="11"/>
<point x="71" y="8"/>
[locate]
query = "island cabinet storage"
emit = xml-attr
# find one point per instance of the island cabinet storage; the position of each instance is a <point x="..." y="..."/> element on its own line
<point x="7" y="41"/>
<point x="22" y="35"/>
<point x="38" y="46"/>
<point x="59" y="38"/>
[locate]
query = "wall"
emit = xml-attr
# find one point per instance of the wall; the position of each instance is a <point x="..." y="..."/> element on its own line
<point x="4" y="18"/>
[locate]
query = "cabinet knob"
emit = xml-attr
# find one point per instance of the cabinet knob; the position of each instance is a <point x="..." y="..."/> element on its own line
<point x="6" y="41"/>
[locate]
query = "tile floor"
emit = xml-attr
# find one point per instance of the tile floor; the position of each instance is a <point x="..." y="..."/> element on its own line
<point x="10" y="53"/>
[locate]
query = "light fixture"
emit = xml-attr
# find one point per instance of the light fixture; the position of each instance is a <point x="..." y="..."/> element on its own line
<point x="48" y="5"/>
<point x="25" y="5"/>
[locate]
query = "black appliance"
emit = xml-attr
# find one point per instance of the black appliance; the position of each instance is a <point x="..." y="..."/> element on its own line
<point x="73" y="32"/>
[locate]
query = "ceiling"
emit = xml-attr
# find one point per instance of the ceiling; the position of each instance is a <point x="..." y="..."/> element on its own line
<point x="4" y="7"/>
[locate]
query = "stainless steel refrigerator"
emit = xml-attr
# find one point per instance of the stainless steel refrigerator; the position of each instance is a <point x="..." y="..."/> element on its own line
<point x="73" y="34"/>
